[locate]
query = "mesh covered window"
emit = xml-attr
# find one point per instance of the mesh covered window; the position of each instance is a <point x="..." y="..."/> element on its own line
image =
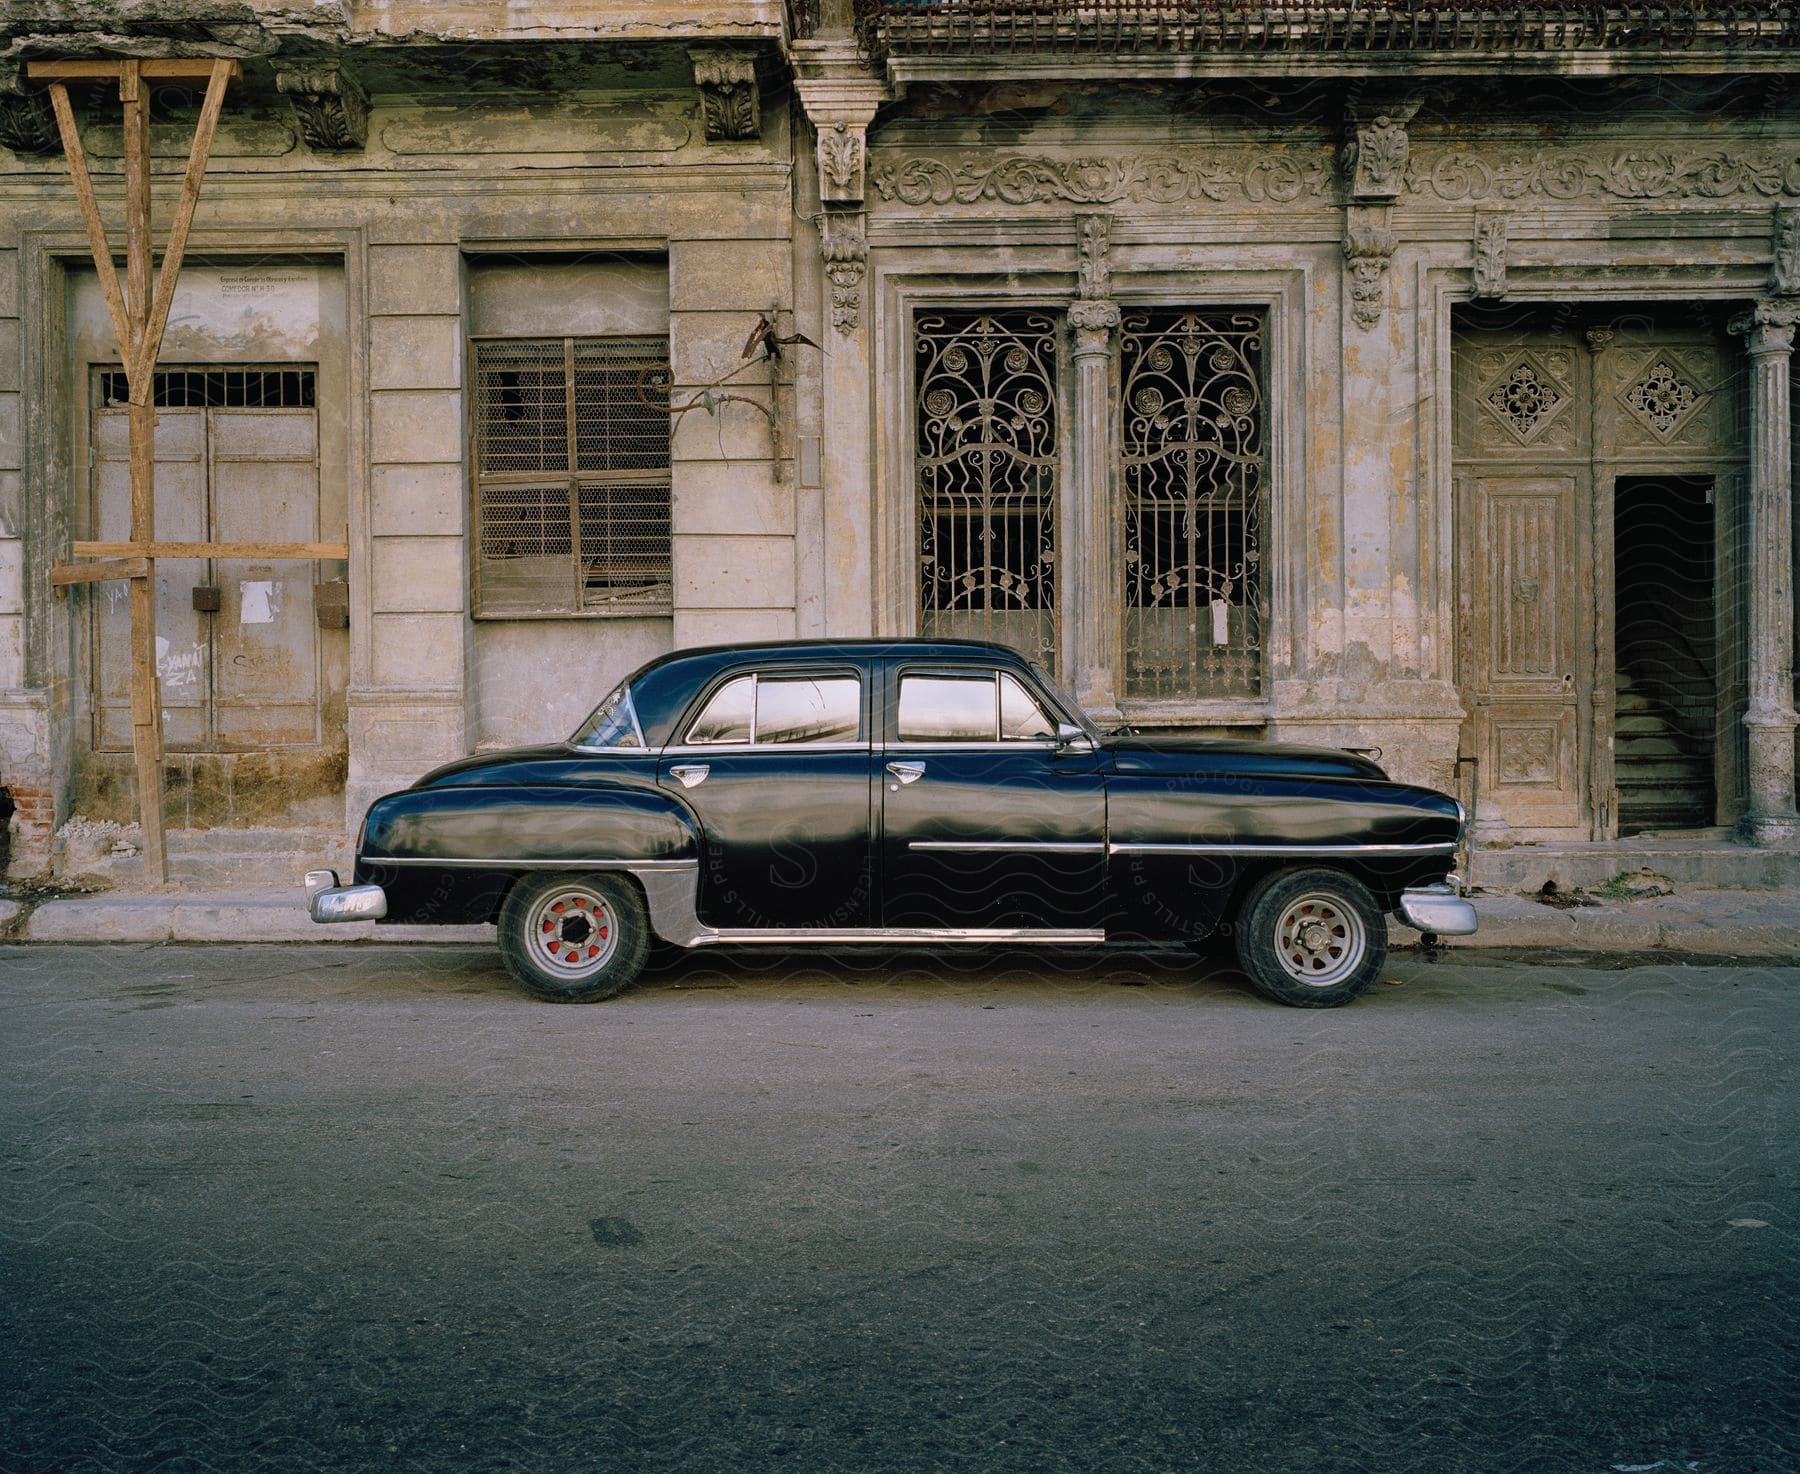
<point x="572" y="476"/>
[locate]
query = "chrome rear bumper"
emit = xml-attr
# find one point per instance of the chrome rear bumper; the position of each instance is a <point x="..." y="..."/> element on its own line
<point x="326" y="900"/>
<point x="1437" y="908"/>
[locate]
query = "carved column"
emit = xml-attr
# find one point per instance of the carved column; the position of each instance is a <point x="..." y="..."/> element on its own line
<point x="841" y="99"/>
<point x="1771" y="818"/>
<point x="1090" y="589"/>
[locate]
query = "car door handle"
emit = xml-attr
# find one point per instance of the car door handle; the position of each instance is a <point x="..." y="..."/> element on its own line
<point x="904" y="773"/>
<point x="690" y="773"/>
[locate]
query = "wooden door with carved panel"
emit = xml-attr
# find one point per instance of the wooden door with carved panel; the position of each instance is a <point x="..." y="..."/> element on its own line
<point x="1526" y="587"/>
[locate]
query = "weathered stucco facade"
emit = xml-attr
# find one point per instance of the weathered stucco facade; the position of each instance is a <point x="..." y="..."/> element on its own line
<point x="1377" y="387"/>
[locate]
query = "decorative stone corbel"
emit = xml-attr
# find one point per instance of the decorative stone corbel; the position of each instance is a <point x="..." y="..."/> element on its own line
<point x="1376" y="149"/>
<point x="1095" y="244"/>
<point x="846" y="252"/>
<point x="1490" y="258"/>
<point x="332" y="111"/>
<point x="730" y="104"/>
<point x="841" y="154"/>
<point x="1368" y="250"/>
<point x="27" y="125"/>
<point x="1784" y="275"/>
<point x="841" y="100"/>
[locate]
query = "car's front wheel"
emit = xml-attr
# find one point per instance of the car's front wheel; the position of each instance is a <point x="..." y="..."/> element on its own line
<point x="1311" y="938"/>
<point x="573" y="938"/>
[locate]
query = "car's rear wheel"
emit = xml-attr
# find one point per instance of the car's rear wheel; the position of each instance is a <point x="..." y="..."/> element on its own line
<point x="573" y="938"/>
<point x="1311" y="938"/>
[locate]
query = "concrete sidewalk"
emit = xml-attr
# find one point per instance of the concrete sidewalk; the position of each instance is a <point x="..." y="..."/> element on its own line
<point x="1721" y="923"/>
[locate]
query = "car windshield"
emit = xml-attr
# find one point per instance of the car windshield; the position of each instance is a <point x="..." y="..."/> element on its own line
<point x="613" y="724"/>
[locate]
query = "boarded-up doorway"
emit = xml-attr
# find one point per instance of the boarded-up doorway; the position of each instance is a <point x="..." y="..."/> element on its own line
<point x="253" y="688"/>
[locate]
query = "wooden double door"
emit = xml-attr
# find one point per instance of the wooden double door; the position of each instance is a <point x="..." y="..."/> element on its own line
<point x="1549" y="424"/>
<point x="238" y="643"/>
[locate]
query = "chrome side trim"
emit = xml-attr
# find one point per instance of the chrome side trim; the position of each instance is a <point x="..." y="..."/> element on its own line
<point x="1436" y="908"/>
<point x="504" y="863"/>
<point x="672" y="895"/>
<point x="901" y="934"/>
<point x="1059" y="846"/>
<point x="1437" y="847"/>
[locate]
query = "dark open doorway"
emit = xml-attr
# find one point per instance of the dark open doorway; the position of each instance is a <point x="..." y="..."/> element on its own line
<point x="1665" y="651"/>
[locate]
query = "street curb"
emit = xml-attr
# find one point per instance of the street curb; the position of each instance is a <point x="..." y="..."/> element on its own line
<point x="1742" y="927"/>
<point x="243" y="919"/>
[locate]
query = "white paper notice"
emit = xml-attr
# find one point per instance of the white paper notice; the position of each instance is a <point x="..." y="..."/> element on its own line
<point x="1221" y="622"/>
<point x="257" y="600"/>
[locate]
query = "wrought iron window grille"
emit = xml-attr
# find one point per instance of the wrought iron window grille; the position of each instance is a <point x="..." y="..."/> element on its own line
<point x="1193" y="460"/>
<point x="986" y="468"/>
<point x="1113" y="27"/>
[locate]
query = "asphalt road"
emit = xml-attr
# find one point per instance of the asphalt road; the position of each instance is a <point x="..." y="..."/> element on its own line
<point x="333" y="1208"/>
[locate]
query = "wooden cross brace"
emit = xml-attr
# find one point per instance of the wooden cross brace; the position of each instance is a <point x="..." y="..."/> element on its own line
<point x="139" y="317"/>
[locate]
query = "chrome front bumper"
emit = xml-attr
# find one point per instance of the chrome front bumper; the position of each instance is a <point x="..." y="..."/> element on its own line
<point x="326" y="900"/>
<point x="1437" y="908"/>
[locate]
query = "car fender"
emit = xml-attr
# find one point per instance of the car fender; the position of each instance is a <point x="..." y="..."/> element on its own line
<point x="450" y="854"/>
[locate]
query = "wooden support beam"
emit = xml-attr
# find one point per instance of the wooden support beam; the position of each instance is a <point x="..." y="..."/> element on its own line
<point x="163" y="69"/>
<point x="262" y="552"/>
<point x="139" y="317"/>
<point x="64" y="575"/>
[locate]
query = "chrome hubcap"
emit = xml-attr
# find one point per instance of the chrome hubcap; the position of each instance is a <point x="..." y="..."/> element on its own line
<point x="573" y="933"/>
<point x="1319" y="941"/>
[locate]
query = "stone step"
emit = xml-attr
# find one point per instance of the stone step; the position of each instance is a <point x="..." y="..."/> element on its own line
<point x="1705" y="857"/>
<point x="218" y="858"/>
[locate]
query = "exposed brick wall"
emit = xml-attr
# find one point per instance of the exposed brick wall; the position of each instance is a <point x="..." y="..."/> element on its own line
<point x="33" y="822"/>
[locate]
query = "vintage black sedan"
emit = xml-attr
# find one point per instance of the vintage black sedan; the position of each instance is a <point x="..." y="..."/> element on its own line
<point x="903" y="791"/>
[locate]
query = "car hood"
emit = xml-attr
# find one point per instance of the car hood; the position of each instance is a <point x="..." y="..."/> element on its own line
<point x="1234" y="755"/>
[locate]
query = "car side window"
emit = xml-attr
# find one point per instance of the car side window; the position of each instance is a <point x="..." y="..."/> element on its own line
<point x="808" y="709"/>
<point x="729" y="716"/>
<point x="988" y="707"/>
<point x="1021" y="718"/>
<point x="780" y="711"/>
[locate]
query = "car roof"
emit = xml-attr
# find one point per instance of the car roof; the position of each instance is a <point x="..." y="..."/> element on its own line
<point x="662" y="688"/>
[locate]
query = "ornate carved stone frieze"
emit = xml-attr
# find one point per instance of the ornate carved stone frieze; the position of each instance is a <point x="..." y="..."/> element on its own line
<point x="1375" y="155"/>
<point x="730" y="104"/>
<point x="1599" y="339"/>
<point x="27" y="125"/>
<point x="1272" y="175"/>
<point x="332" y="111"/>
<point x="841" y="164"/>
<point x="1368" y="250"/>
<point x="1490" y="258"/>
<point x="1784" y="275"/>
<point x="1628" y="174"/>
<point x="845" y="249"/>
<point x="1095" y="246"/>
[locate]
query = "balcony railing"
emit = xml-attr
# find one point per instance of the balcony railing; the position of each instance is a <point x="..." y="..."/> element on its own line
<point x="1122" y="27"/>
<point x="803" y="18"/>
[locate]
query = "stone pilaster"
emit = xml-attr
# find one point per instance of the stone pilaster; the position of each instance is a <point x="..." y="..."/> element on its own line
<point x="1091" y="635"/>
<point x="1769" y="335"/>
<point x="841" y="99"/>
